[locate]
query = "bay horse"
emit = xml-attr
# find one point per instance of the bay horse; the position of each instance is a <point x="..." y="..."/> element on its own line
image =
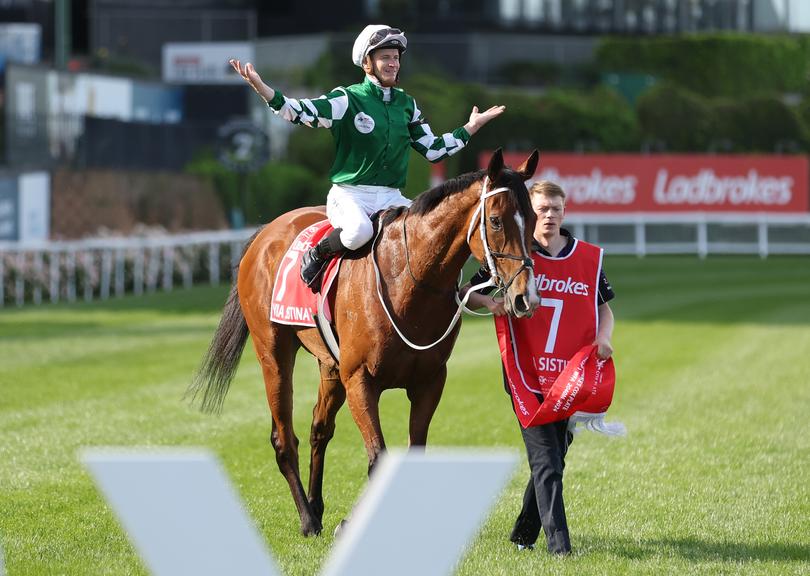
<point x="418" y="253"/>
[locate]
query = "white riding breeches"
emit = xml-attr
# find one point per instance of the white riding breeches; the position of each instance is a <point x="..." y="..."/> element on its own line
<point x="349" y="207"/>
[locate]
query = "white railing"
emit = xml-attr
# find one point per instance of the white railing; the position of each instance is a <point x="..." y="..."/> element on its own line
<point x="105" y="267"/>
<point x="99" y="268"/>
<point x="694" y="233"/>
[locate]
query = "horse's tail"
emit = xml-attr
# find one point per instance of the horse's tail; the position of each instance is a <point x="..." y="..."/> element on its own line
<point x="218" y="367"/>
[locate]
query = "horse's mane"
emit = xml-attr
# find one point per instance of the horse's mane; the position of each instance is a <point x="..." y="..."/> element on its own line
<point x="429" y="199"/>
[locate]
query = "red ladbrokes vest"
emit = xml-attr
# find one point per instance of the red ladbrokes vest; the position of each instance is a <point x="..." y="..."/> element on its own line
<point x="536" y="350"/>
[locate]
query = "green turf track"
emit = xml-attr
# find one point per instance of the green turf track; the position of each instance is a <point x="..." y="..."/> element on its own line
<point x="713" y="363"/>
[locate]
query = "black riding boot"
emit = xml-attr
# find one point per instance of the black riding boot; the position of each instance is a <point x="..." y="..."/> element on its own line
<point x="315" y="259"/>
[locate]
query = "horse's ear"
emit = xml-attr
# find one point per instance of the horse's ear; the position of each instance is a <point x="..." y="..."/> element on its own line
<point x="495" y="165"/>
<point x="527" y="169"/>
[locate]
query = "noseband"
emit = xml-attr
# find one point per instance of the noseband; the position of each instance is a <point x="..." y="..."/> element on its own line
<point x="491" y="255"/>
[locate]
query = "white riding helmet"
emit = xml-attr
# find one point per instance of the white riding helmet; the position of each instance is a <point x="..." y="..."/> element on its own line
<point x="376" y="36"/>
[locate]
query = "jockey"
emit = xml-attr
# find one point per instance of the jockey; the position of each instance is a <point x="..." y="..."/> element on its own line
<point x="373" y="124"/>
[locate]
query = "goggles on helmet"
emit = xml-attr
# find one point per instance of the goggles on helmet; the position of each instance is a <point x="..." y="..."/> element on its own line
<point x="387" y="38"/>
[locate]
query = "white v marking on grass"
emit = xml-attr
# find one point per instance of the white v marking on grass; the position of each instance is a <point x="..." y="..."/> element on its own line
<point x="180" y="512"/>
<point x="417" y="515"/>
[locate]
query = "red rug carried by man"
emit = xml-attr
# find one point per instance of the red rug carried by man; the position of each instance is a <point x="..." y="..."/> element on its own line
<point x="585" y="385"/>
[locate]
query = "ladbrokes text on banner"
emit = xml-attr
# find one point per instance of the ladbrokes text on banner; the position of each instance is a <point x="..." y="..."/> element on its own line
<point x="674" y="183"/>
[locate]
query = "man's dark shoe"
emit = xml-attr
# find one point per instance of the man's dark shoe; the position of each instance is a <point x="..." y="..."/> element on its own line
<point x="559" y="544"/>
<point x="312" y="265"/>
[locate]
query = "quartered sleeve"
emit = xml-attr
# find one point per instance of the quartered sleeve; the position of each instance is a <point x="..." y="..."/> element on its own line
<point x="432" y="147"/>
<point x="319" y="112"/>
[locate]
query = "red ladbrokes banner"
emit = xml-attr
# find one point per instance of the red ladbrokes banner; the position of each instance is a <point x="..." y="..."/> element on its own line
<point x="674" y="183"/>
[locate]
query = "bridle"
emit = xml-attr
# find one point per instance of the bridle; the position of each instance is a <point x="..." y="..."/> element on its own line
<point x="491" y="256"/>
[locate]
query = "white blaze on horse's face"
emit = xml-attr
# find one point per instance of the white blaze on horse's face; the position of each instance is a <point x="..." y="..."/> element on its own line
<point x="533" y="299"/>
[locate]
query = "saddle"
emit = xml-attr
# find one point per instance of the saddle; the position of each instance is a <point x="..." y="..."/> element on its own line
<point x="293" y="302"/>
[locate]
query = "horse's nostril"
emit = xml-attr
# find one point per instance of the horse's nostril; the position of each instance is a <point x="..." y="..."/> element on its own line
<point x="520" y="304"/>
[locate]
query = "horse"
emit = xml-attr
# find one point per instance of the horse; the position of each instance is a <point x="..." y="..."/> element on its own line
<point x="413" y="266"/>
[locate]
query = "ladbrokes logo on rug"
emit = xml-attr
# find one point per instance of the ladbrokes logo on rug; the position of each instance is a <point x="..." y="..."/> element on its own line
<point x="567" y="286"/>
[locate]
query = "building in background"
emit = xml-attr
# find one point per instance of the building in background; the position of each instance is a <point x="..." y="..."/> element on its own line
<point x="171" y="56"/>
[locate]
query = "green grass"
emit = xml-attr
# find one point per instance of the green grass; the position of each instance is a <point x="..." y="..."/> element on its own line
<point x="713" y="364"/>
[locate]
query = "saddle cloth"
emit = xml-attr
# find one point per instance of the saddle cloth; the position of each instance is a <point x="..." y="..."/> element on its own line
<point x="293" y="302"/>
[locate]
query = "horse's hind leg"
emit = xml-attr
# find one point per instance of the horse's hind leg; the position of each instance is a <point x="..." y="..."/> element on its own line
<point x="276" y="353"/>
<point x="331" y="396"/>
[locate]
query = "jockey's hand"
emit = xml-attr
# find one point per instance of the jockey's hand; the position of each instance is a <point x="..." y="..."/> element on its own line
<point x="248" y="72"/>
<point x="495" y="305"/>
<point x="603" y="348"/>
<point x="478" y="119"/>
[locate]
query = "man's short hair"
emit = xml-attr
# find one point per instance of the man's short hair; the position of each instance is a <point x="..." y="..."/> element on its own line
<point x="547" y="188"/>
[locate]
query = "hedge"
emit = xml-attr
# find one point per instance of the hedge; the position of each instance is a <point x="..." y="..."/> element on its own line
<point x="275" y="188"/>
<point x="729" y="64"/>
<point x="687" y="122"/>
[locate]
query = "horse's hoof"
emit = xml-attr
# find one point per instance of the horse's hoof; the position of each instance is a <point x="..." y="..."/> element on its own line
<point x="339" y="528"/>
<point x="311" y="528"/>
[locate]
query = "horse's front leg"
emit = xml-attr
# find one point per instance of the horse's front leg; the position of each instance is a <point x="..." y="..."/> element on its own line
<point x="424" y="398"/>
<point x="331" y="396"/>
<point x="363" y="397"/>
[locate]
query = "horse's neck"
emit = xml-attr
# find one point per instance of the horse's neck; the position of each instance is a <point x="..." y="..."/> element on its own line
<point x="437" y="240"/>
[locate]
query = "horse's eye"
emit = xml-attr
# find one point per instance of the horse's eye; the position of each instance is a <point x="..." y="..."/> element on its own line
<point x="495" y="222"/>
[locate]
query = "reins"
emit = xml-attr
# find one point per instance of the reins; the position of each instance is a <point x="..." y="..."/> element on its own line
<point x="494" y="279"/>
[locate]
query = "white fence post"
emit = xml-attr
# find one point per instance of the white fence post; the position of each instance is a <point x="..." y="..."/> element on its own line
<point x="137" y="270"/>
<point x="53" y="275"/>
<point x="37" y="284"/>
<point x="87" y="267"/>
<point x="703" y="238"/>
<point x="70" y="266"/>
<point x="762" y="237"/>
<point x="19" y="284"/>
<point x="641" y="238"/>
<point x="213" y="263"/>
<point x="119" y="273"/>
<point x="168" y="267"/>
<point x="106" y="273"/>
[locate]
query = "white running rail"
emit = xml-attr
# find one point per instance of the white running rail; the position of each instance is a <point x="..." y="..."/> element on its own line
<point x="701" y="234"/>
<point x="101" y="268"/>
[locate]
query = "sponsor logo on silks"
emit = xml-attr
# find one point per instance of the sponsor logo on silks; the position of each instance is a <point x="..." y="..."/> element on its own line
<point x="568" y="286"/>
<point x="363" y="122"/>
<point x="707" y="188"/>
